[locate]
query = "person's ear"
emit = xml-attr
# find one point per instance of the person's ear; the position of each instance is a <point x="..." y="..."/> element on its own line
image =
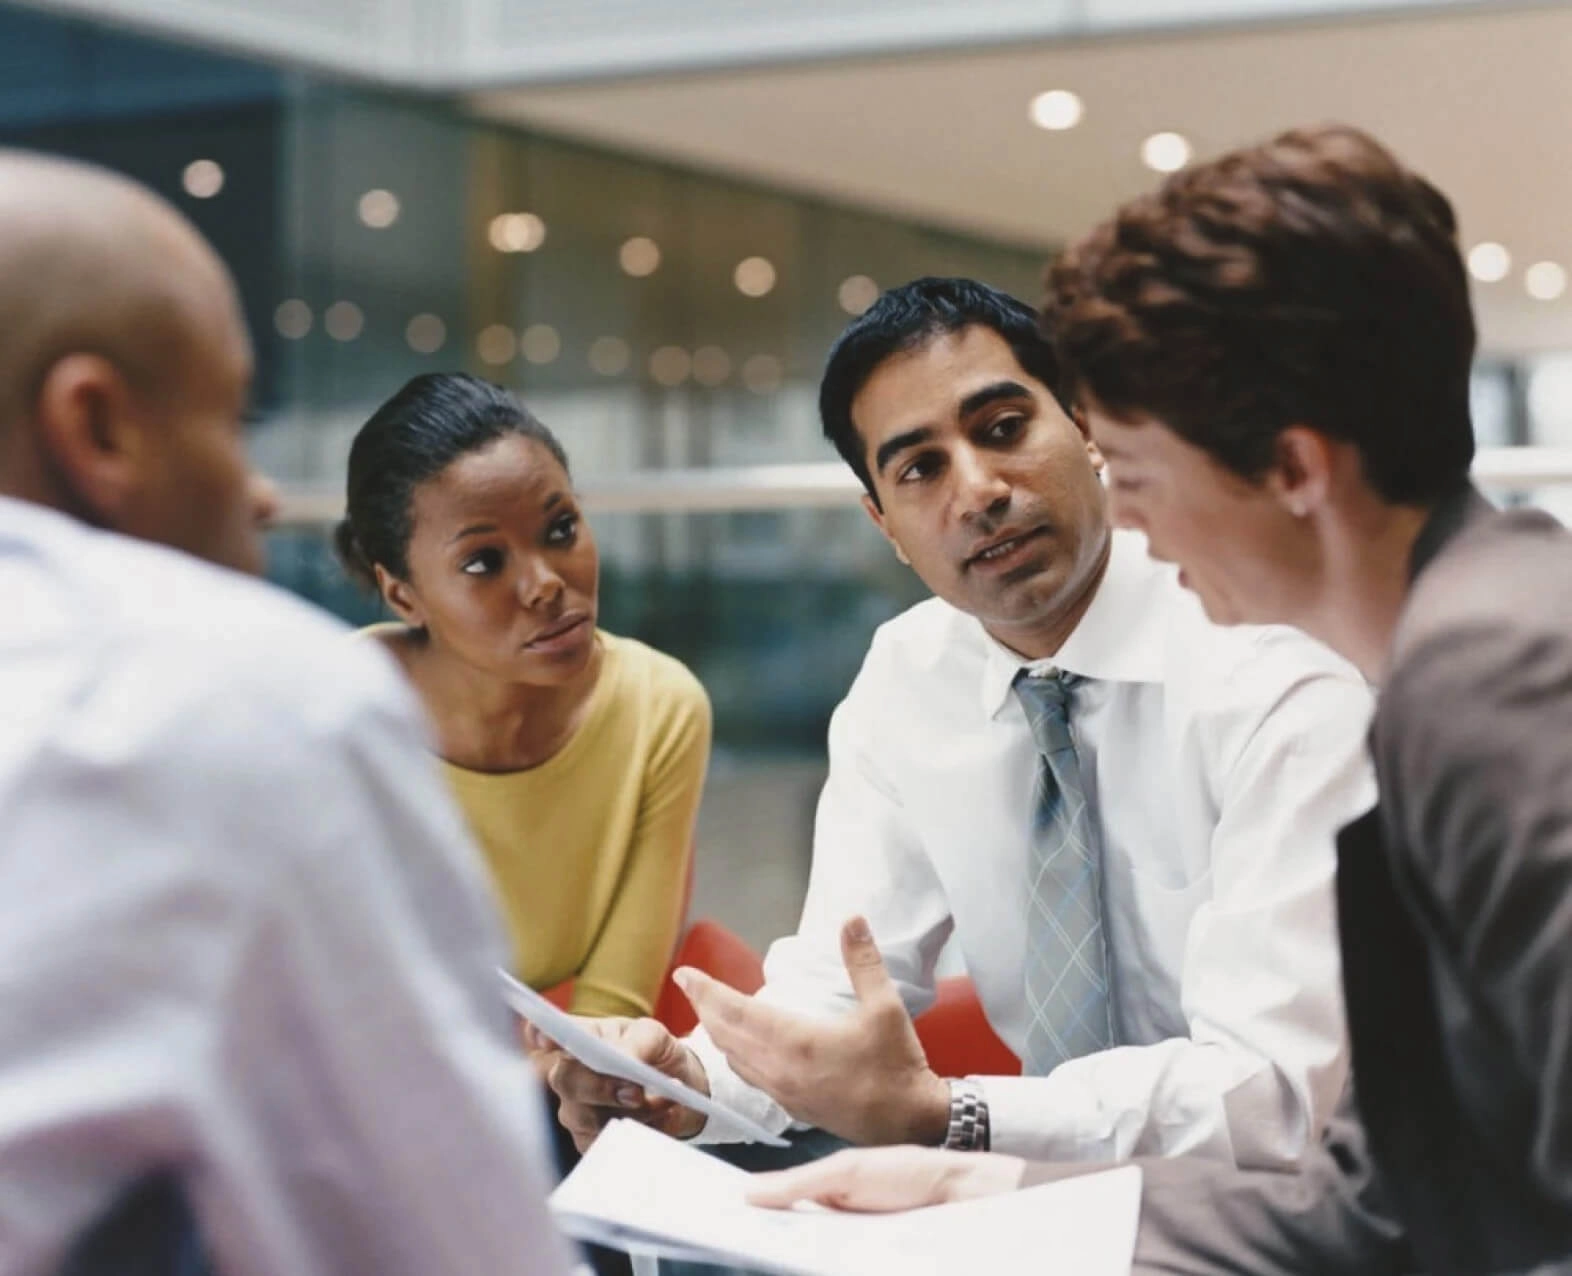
<point x="871" y="507"/>
<point x="1077" y="415"/>
<point x="1301" y="475"/>
<point x="400" y="597"/>
<point x="94" y="436"/>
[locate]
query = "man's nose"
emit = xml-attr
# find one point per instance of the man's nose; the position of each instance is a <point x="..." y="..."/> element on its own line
<point x="981" y="490"/>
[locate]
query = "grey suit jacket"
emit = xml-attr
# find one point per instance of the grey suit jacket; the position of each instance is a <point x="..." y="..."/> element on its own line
<point x="1455" y="918"/>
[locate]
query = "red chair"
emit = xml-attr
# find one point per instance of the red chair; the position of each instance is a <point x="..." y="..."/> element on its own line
<point x="707" y="946"/>
<point x="710" y="947"/>
<point x="957" y="1037"/>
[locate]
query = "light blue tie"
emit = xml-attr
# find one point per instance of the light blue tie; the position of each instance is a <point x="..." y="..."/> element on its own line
<point x="1066" y="957"/>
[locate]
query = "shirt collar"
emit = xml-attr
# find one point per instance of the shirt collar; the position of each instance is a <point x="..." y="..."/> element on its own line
<point x="1119" y="639"/>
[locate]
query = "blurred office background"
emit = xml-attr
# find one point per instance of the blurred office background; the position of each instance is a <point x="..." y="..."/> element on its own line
<point x="652" y="218"/>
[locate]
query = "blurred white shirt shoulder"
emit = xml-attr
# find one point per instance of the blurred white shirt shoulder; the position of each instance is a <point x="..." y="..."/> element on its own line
<point x="243" y="935"/>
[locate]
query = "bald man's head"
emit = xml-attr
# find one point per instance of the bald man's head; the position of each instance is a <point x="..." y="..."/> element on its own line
<point x="125" y="365"/>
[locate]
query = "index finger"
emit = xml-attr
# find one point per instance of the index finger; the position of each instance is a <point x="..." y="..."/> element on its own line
<point x="724" y="1012"/>
<point x="824" y="1182"/>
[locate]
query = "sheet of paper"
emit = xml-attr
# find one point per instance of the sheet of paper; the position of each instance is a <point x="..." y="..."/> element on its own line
<point x="636" y="1187"/>
<point x="609" y="1061"/>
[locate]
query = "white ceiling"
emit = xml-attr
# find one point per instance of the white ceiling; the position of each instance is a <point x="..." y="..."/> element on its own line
<point x="1480" y="101"/>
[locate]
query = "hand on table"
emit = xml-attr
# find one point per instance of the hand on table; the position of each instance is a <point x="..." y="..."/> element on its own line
<point x="589" y="1100"/>
<point x="862" y="1076"/>
<point x="881" y="1180"/>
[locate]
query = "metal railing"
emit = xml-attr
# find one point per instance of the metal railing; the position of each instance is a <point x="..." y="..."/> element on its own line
<point x="829" y="483"/>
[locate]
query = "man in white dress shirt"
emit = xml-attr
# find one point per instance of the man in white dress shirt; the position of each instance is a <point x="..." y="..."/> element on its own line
<point x="1215" y="764"/>
<point x="245" y="945"/>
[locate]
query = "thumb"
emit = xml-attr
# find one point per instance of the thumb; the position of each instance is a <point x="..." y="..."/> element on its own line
<point x="694" y="984"/>
<point x="869" y="979"/>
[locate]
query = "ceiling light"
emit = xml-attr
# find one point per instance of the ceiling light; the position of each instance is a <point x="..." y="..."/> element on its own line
<point x="762" y="373"/>
<point x="609" y="356"/>
<point x="1545" y="280"/>
<point x="754" y="276"/>
<point x="540" y="343"/>
<point x="1489" y="262"/>
<point x="343" y="320"/>
<point x="640" y="256"/>
<point x="202" y="179"/>
<point x="379" y="209"/>
<point x="670" y="366"/>
<point x="426" y="334"/>
<point x="516" y="232"/>
<point x="1057" y="109"/>
<point x="496" y="345"/>
<point x="1165" y="152"/>
<point x="711" y="366"/>
<point x="856" y="294"/>
<point x="292" y="319"/>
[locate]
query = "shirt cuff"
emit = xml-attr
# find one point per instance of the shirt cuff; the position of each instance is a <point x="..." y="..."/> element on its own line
<point x="732" y="1092"/>
<point x="1028" y="1117"/>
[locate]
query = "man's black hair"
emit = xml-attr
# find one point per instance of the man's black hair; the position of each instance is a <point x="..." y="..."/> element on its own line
<point x="906" y="318"/>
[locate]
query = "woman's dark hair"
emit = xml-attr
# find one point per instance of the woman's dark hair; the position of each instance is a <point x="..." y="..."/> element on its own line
<point x="906" y="318"/>
<point x="431" y="422"/>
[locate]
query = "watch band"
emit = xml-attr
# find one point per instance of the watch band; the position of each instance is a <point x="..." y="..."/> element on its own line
<point x="968" y="1129"/>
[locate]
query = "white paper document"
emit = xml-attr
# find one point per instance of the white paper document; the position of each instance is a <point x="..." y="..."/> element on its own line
<point x="636" y="1189"/>
<point x="609" y="1061"/>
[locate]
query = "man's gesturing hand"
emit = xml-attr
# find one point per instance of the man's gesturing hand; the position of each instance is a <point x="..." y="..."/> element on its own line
<point x="589" y="1100"/>
<point x="862" y="1076"/>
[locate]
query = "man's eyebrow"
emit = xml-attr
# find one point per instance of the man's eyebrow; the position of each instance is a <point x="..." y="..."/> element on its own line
<point x="892" y="447"/>
<point x="977" y="400"/>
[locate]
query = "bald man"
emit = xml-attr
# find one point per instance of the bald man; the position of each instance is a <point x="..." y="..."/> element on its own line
<point x="245" y="946"/>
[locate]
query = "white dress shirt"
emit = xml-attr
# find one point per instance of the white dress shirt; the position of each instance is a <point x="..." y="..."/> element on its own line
<point x="242" y="934"/>
<point x="1219" y="763"/>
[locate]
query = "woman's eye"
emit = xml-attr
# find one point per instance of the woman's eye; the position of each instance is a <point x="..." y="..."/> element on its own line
<point x="564" y="530"/>
<point x="483" y="563"/>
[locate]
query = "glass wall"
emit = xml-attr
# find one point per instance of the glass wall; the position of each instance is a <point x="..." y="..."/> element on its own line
<point x="654" y="317"/>
<point x="657" y="318"/>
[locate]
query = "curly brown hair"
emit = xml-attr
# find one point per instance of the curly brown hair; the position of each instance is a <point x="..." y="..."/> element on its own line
<point x="1311" y="280"/>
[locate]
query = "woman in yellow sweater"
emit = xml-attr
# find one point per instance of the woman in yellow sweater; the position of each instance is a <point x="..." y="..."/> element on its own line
<point x="577" y="756"/>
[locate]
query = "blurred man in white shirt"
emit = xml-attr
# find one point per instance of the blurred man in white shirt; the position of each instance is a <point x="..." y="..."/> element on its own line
<point x="244" y="942"/>
<point x="1208" y="770"/>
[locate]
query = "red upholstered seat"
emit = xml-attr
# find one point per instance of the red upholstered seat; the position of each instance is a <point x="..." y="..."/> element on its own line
<point x="957" y="1037"/>
<point x="707" y="946"/>
<point x="710" y="947"/>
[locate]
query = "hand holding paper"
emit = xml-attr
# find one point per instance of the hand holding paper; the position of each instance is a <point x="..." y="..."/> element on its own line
<point x="611" y="1068"/>
<point x="589" y="1099"/>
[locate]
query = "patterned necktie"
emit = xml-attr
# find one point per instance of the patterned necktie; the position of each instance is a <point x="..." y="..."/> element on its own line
<point x="1066" y="957"/>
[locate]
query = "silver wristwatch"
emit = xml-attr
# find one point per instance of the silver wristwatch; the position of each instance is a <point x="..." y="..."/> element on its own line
<point x="968" y="1130"/>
